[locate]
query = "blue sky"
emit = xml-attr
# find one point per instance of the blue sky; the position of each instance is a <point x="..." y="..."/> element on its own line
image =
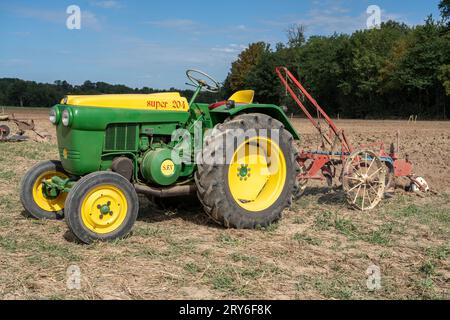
<point x="152" y="43"/>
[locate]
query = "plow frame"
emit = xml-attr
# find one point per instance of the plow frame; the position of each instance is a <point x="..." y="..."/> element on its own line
<point x="22" y="127"/>
<point x="335" y="148"/>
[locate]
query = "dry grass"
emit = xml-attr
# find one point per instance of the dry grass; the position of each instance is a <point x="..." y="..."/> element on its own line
<point x="321" y="249"/>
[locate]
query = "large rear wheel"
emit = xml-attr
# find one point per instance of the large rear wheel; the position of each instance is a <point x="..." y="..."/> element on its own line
<point x="247" y="172"/>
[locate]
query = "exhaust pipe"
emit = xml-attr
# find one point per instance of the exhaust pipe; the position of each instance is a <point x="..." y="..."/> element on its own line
<point x="175" y="191"/>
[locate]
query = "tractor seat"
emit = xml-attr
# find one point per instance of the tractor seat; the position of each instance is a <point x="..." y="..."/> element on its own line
<point x="240" y="98"/>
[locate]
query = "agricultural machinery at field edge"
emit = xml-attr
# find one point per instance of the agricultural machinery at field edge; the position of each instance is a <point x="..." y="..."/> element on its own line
<point x="22" y="127"/>
<point x="113" y="147"/>
<point x="366" y="175"/>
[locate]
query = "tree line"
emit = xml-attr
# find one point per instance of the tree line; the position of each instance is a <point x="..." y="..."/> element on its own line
<point x="393" y="71"/>
<point x="17" y="92"/>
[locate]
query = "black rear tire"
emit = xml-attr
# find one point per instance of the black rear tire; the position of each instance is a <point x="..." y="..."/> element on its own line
<point x="212" y="179"/>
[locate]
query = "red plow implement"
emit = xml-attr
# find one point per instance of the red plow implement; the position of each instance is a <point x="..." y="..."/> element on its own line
<point x="365" y="174"/>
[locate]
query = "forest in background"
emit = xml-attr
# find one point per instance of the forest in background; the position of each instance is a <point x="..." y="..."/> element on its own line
<point x="394" y="71"/>
<point x="391" y="72"/>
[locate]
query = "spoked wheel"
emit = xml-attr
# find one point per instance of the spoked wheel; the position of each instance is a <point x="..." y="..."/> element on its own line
<point x="364" y="180"/>
<point x="302" y="183"/>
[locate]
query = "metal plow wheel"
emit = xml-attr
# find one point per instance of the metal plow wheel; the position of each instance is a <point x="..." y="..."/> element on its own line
<point x="364" y="180"/>
<point x="4" y="132"/>
<point x="302" y="183"/>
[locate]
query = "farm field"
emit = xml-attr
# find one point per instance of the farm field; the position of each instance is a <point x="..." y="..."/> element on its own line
<point x="321" y="249"/>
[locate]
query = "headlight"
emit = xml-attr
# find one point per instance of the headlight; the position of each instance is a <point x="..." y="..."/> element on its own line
<point x="54" y="115"/>
<point x="66" y="118"/>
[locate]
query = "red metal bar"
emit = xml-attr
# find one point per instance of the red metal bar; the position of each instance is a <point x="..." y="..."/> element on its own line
<point x="340" y="134"/>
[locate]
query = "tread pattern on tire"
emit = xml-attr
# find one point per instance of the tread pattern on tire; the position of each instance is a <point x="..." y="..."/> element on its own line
<point x="211" y="189"/>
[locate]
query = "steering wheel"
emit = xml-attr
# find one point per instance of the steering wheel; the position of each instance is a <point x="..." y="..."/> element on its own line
<point x="209" y="84"/>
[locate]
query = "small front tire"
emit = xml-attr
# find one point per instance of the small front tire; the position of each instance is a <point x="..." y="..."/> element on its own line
<point x="101" y="206"/>
<point x="32" y="197"/>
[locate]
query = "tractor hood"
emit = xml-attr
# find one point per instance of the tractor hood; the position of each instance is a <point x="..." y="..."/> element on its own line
<point x="168" y="101"/>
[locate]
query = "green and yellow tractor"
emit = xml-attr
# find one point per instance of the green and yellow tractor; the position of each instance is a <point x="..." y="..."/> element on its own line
<point x="239" y="157"/>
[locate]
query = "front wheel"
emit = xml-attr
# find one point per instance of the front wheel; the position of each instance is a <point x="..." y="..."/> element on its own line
<point x="32" y="193"/>
<point x="101" y="206"/>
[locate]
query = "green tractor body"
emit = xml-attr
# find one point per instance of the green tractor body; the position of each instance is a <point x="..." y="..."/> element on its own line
<point x="136" y="138"/>
<point x="98" y="135"/>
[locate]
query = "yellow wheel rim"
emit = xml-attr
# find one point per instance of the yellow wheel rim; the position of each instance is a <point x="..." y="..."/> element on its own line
<point x="257" y="174"/>
<point x="104" y="209"/>
<point x="43" y="202"/>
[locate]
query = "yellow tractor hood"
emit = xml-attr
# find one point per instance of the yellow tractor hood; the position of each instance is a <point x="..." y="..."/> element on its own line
<point x="167" y="101"/>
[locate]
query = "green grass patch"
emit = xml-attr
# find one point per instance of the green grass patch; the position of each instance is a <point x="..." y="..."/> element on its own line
<point x="7" y="175"/>
<point x="440" y="252"/>
<point x="324" y="220"/>
<point x="192" y="268"/>
<point x="381" y="236"/>
<point x="305" y="238"/>
<point x="7" y="202"/>
<point x="270" y="228"/>
<point x="409" y="211"/>
<point x="147" y="231"/>
<point x="298" y="220"/>
<point x="226" y="239"/>
<point x="8" y="244"/>
<point x="226" y="280"/>
<point x="428" y="268"/>
<point x="337" y="288"/>
<point x="237" y="257"/>
<point x="346" y="227"/>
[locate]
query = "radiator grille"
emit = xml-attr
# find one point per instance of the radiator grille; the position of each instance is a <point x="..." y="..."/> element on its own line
<point x="121" y="137"/>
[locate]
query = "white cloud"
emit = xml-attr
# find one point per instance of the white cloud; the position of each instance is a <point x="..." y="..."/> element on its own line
<point x="163" y="65"/>
<point x="88" y="19"/>
<point x="174" y="23"/>
<point x="108" y="4"/>
<point x="232" y="48"/>
<point x="327" y="17"/>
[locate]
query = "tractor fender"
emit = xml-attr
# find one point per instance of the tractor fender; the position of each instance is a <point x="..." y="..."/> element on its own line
<point x="270" y="110"/>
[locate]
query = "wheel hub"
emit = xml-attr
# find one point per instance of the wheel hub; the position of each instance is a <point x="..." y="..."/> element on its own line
<point x="105" y="209"/>
<point x="244" y="172"/>
<point x="48" y="199"/>
<point x="257" y="174"/>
